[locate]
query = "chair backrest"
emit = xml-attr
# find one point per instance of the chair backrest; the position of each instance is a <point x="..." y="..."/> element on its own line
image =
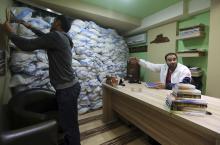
<point x="5" y="118"/>
<point x="33" y="100"/>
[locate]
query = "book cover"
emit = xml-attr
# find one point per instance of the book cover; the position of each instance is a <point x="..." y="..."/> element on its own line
<point x="185" y="96"/>
<point x="173" y="102"/>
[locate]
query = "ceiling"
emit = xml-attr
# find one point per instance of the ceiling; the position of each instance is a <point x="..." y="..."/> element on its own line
<point x="133" y="8"/>
<point x="122" y="15"/>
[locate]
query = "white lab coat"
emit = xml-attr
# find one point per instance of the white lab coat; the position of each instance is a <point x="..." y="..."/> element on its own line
<point x="177" y="76"/>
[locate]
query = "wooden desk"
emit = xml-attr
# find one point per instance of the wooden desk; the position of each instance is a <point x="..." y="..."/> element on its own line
<point x="147" y="111"/>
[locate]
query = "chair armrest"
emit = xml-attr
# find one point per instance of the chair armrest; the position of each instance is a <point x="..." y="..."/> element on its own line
<point x="25" y="117"/>
<point x="44" y="133"/>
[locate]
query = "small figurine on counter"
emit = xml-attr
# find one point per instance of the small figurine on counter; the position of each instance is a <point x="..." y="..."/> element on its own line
<point x="121" y="83"/>
<point x="111" y="80"/>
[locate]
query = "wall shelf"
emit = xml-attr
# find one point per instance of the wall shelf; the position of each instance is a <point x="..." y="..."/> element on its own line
<point x="191" y="32"/>
<point x="194" y="35"/>
<point x="191" y="53"/>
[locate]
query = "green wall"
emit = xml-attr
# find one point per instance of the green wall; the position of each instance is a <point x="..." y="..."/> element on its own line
<point x="156" y="51"/>
<point x="196" y="43"/>
<point x="142" y="55"/>
<point x="191" y="43"/>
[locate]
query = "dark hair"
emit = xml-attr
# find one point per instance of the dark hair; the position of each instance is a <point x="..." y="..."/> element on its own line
<point x="170" y="54"/>
<point x="66" y="22"/>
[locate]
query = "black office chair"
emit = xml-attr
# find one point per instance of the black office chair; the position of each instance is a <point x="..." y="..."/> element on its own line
<point x="44" y="133"/>
<point x="34" y="106"/>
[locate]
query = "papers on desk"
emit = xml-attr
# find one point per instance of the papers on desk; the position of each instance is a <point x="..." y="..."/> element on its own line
<point x="151" y="84"/>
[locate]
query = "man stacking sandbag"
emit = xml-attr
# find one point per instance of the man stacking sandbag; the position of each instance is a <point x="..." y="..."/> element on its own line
<point x="185" y="97"/>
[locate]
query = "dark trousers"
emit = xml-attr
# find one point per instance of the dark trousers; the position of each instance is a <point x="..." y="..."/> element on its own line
<point x="67" y="100"/>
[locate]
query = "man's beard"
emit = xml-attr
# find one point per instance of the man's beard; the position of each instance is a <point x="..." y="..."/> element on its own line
<point x="172" y="66"/>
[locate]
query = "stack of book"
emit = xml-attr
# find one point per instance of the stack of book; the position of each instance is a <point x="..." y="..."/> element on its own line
<point x="191" y="32"/>
<point x="195" y="71"/>
<point x="185" y="97"/>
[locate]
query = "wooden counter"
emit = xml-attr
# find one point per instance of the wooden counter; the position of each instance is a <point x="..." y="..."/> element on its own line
<point x="146" y="109"/>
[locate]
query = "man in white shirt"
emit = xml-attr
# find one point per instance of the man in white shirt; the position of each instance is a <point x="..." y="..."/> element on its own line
<point x="170" y="73"/>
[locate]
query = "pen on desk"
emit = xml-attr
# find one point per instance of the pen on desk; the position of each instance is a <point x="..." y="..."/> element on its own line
<point x="208" y="113"/>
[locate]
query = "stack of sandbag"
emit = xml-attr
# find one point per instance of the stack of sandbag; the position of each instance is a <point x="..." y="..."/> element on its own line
<point x="97" y="52"/>
<point x="29" y="69"/>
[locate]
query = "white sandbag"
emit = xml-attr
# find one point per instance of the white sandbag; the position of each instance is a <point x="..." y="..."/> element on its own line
<point x="49" y="19"/>
<point x="93" y="25"/>
<point x="95" y="32"/>
<point x="41" y="73"/>
<point x="42" y="65"/>
<point x="39" y="83"/>
<point x="17" y="80"/>
<point x="41" y="55"/>
<point x="21" y="56"/>
<point x="82" y="74"/>
<point x="30" y="69"/>
<point x="39" y="23"/>
<point x="86" y="62"/>
<point x="83" y="100"/>
<point x="94" y="83"/>
<point x="79" y="23"/>
<point x="74" y="30"/>
<point x="97" y="89"/>
<point x="96" y="105"/>
<point x="83" y="110"/>
<point x="23" y="13"/>
<point x="21" y="30"/>
<point x="75" y="63"/>
<point x="93" y="96"/>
